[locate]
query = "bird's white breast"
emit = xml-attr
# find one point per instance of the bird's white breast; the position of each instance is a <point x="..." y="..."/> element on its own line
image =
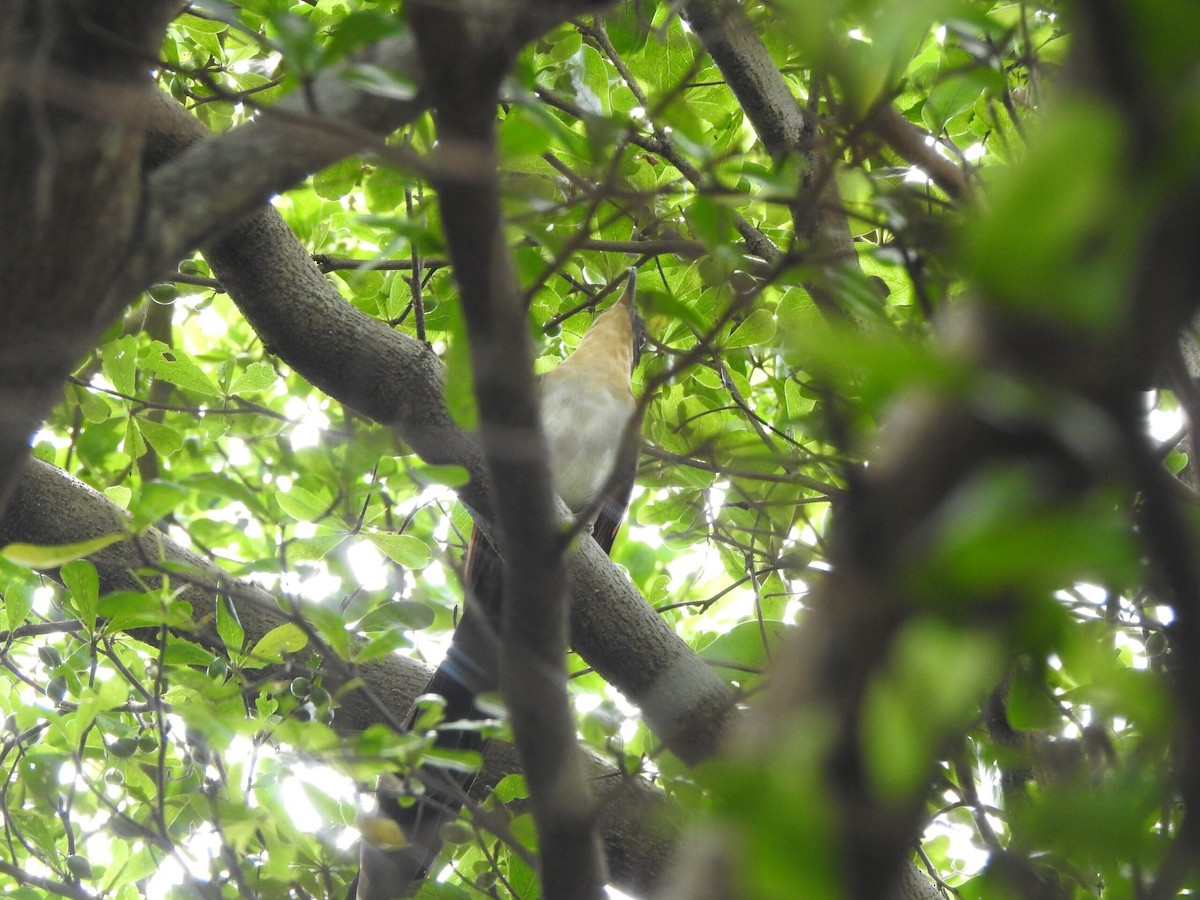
<point x="584" y="417"/>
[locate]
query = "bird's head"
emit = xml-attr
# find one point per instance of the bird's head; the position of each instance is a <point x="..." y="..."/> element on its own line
<point x="637" y="325"/>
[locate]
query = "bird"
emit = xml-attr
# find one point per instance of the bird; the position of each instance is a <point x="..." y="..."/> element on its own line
<point x="588" y="414"/>
<point x="586" y="406"/>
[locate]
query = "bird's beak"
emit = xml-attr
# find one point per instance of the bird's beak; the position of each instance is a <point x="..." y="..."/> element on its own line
<point x="627" y="299"/>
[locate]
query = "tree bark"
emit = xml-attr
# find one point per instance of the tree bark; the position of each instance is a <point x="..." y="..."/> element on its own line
<point x="397" y="381"/>
<point x="73" y="95"/>
<point x="638" y="824"/>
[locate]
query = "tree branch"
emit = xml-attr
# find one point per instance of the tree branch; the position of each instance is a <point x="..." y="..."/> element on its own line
<point x="72" y="100"/>
<point x="397" y="381"/>
<point x="50" y="507"/>
<point x="937" y="447"/>
<point x="464" y="75"/>
<point x="194" y="196"/>
<point x="909" y="143"/>
<point x="784" y="128"/>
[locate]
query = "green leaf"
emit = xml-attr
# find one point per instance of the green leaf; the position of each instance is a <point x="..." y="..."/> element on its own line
<point x="460" y="393"/>
<point x="315" y="547"/>
<point x="155" y="500"/>
<point x="956" y="94"/>
<point x="120" y="364"/>
<point x="757" y="328"/>
<point x="258" y="377"/>
<point x="282" y="639"/>
<point x="83" y="582"/>
<point x="165" y="440"/>
<point x="451" y="476"/>
<point x="174" y="366"/>
<point x="18" y="601"/>
<point x="384" y="645"/>
<point x="51" y="556"/>
<point x="229" y="624"/>
<point x="129" y="609"/>
<point x="711" y="221"/>
<point x="523" y="134"/>
<point x="330" y="626"/>
<point x="198" y="25"/>
<point x="104" y="695"/>
<point x="337" y="180"/>
<point x="224" y="487"/>
<point x="400" y="614"/>
<point x="119" y="495"/>
<point x="135" y="444"/>
<point x="747" y="644"/>
<point x="184" y="653"/>
<point x="94" y="407"/>
<point x="589" y="78"/>
<point x="302" y="504"/>
<point x="510" y="788"/>
<point x="404" y="549"/>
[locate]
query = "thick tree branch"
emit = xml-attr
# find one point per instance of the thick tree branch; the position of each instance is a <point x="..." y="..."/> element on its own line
<point x="382" y="374"/>
<point x="464" y="74"/>
<point x="937" y="448"/>
<point x="637" y="824"/>
<point x="397" y="381"/>
<point x="51" y="507"/>
<point x="72" y="98"/>
<point x="909" y="142"/>
<point x="193" y="197"/>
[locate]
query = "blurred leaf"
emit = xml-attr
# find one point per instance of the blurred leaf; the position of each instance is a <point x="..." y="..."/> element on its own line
<point x="403" y="549"/>
<point x="913" y="707"/>
<point x="356" y="30"/>
<point x="154" y="500"/>
<point x="302" y="504"/>
<point x="282" y="639"/>
<point x="330" y="626"/>
<point x="380" y="82"/>
<point x="50" y="556"/>
<point x="1059" y="215"/>
<point x="1030" y="706"/>
<point x="335" y="181"/>
<point x="229" y="624"/>
<point x="757" y="328"/>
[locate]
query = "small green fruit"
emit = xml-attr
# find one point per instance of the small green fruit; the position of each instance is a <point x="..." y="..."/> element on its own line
<point x="56" y="689"/>
<point x="79" y="866"/>
<point x="50" y="656"/>
<point x="123" y="747"/>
